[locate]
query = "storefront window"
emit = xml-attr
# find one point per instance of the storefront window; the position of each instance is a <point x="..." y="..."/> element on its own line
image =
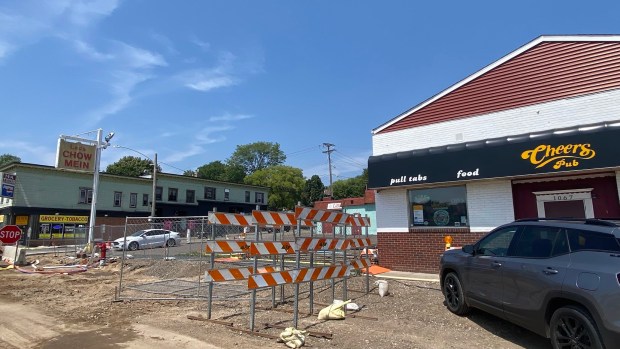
<point x="438" y="207"/>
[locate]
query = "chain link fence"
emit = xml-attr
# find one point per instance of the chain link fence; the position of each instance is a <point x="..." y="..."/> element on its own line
<point x="164" y="258"/>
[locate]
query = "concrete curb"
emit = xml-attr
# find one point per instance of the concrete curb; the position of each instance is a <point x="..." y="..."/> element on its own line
<point x="399" y="275"/>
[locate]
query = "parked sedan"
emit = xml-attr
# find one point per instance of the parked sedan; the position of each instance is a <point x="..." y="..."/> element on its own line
<point x="557" y="278"/>
<point x="148" y="238"/>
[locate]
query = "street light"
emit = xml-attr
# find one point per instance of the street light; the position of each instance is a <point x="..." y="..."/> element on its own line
<point x="154" y="174"/>
<point x="99" y="144"/>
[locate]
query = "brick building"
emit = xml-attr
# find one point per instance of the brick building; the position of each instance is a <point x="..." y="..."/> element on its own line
<point x="530" y="135"/>
<point x="363" y="206"/>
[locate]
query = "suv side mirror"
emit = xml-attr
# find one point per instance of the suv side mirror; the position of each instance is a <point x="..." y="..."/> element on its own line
<point x="468" y="249"/>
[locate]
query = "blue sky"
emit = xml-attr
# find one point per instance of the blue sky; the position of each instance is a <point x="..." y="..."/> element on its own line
<point x="191" y="80"/>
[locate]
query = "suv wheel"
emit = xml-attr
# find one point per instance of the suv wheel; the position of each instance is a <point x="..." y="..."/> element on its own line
<point x="453" y="292"/>
<point x="572" y="327"/>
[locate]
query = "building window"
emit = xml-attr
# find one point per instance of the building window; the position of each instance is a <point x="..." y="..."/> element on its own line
<point x="145" y="199"/>
<point x="209" y="193"/>
<point x="247" y="196"/>
<point x="158" y="193"/>
<point x="438" y="207"/>
<point x="226" y="194"/>
<point x="190" y="196"/>
<point x="172" y="194"/>
<point x="133" y="200"/>
<point x="86" y="196"/>
<point x="118" y="198"/>
<point x="259" y="198"/>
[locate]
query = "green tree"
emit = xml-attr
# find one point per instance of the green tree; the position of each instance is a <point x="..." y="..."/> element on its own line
<point x="214" y="171"/>
<point x="285" y="183"/>
<point x="6" y="159"/>
<point x="219" y="171"/>
<point x="257" y="156"/>
<point x="350" y="188"/>
<point x="313" y="191"/>
<point x="189" y="173"/>
<point x="131" y="166"/>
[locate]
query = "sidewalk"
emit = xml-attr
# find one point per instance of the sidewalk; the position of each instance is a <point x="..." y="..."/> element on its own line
<point x="403" y="275"/>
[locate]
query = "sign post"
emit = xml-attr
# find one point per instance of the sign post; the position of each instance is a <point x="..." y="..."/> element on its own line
<point x="11" y="234"/>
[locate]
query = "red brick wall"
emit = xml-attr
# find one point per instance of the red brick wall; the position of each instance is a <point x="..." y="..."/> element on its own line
<point x="418" y="251"/>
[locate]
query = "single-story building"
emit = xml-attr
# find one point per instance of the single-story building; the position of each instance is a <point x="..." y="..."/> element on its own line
<point x="530" y="135"/>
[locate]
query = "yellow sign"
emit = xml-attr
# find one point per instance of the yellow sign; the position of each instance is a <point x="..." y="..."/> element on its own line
<point x="566" y="155"/>
<point x="1" y="218"/>
<point x="63" y="219"/>
<point x="21" y="220"/>
<point x="75" y="156"/>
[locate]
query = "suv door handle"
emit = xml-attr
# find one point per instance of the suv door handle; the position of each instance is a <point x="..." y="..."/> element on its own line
<point x="496" y="264"/>
<point x="550" y="271"/>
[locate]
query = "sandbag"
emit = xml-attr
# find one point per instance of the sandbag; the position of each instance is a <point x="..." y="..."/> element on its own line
<point x="292" y="337"/>
<point x="334" y="311"/>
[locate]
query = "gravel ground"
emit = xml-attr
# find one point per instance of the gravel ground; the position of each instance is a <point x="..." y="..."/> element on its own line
<point x="77" y="310"/>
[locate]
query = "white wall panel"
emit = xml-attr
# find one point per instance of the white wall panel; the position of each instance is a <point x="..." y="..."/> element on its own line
<point x="582" y="110"/>
<point x="392" y="210"/>
<point x="489" y="204"/>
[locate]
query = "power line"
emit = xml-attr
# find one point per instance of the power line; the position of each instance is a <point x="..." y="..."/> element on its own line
<point x="350" y="162"/>
<point x="180" y="169"/>
<point x="306" y="150"/>
<point x="350" y="159"/>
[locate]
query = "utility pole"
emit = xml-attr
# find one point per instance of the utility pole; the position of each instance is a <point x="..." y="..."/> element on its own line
<point x="329" y="164"/>
<point x="154" y="176"/>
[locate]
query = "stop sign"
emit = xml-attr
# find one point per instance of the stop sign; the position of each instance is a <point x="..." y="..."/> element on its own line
<point x="10" y="234"/>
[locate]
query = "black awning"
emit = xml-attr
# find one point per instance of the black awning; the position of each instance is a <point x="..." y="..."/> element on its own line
<point x="553" y="151"/>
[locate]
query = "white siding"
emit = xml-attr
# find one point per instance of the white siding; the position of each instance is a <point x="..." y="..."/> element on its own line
<point x="489" y="204"/>
<point x="392" y="210"/>
<point x="582" y="110"/>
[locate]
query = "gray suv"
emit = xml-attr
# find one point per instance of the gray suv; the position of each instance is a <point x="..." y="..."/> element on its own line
<point x="557" y="278"/>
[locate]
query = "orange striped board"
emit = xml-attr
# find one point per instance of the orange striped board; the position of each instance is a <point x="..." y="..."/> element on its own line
<point x="321" y="215"/>
<point x="360" y="263"/>
<point x="271" y="248"/>
<point x="278" y="219"/>
<point x="298" y="276"/>
<point x="357" y="243"/>
<point x="358" y="221"/>
<point x="221" y="275"/>
<point x="319" y="244"/>
<point x="227" y="246"/>
<point x="229" y="219"/>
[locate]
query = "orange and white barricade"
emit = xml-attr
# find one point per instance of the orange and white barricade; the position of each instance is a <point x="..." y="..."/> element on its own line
<point x="321" y="244"/>
<point x="234" y="274"/>
<point x="272" y="248"/>
<point x="298" y="276"/>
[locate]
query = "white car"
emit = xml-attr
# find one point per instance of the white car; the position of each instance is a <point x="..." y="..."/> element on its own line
<point x="148" y="238"/>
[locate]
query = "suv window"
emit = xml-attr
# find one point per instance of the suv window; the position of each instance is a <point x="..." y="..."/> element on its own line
<point x="496" y="243"/>
<point x="540" y="242"/>
<point x="592" y="240"/>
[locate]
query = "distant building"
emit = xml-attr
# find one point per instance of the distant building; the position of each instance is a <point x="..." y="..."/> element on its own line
<point x="53" y="202"/>
<point x="363" y="206"/>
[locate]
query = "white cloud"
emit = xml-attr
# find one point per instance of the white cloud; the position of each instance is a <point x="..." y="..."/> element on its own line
<point x="25" y="22"/>
<point x="222" y="75"/>
<point x="135" y="57"/>
<point x="122" y="85"/>
<point x="204" y="83"/>
<point x="89" y="51"/>
<point x="30" y="152"/>
<point x="205" y="46"/>
<point x="206" y="135"/>
<point x="231" y="117"/>
<point x="184" y="154"/>
<point x="85" y="12"/>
